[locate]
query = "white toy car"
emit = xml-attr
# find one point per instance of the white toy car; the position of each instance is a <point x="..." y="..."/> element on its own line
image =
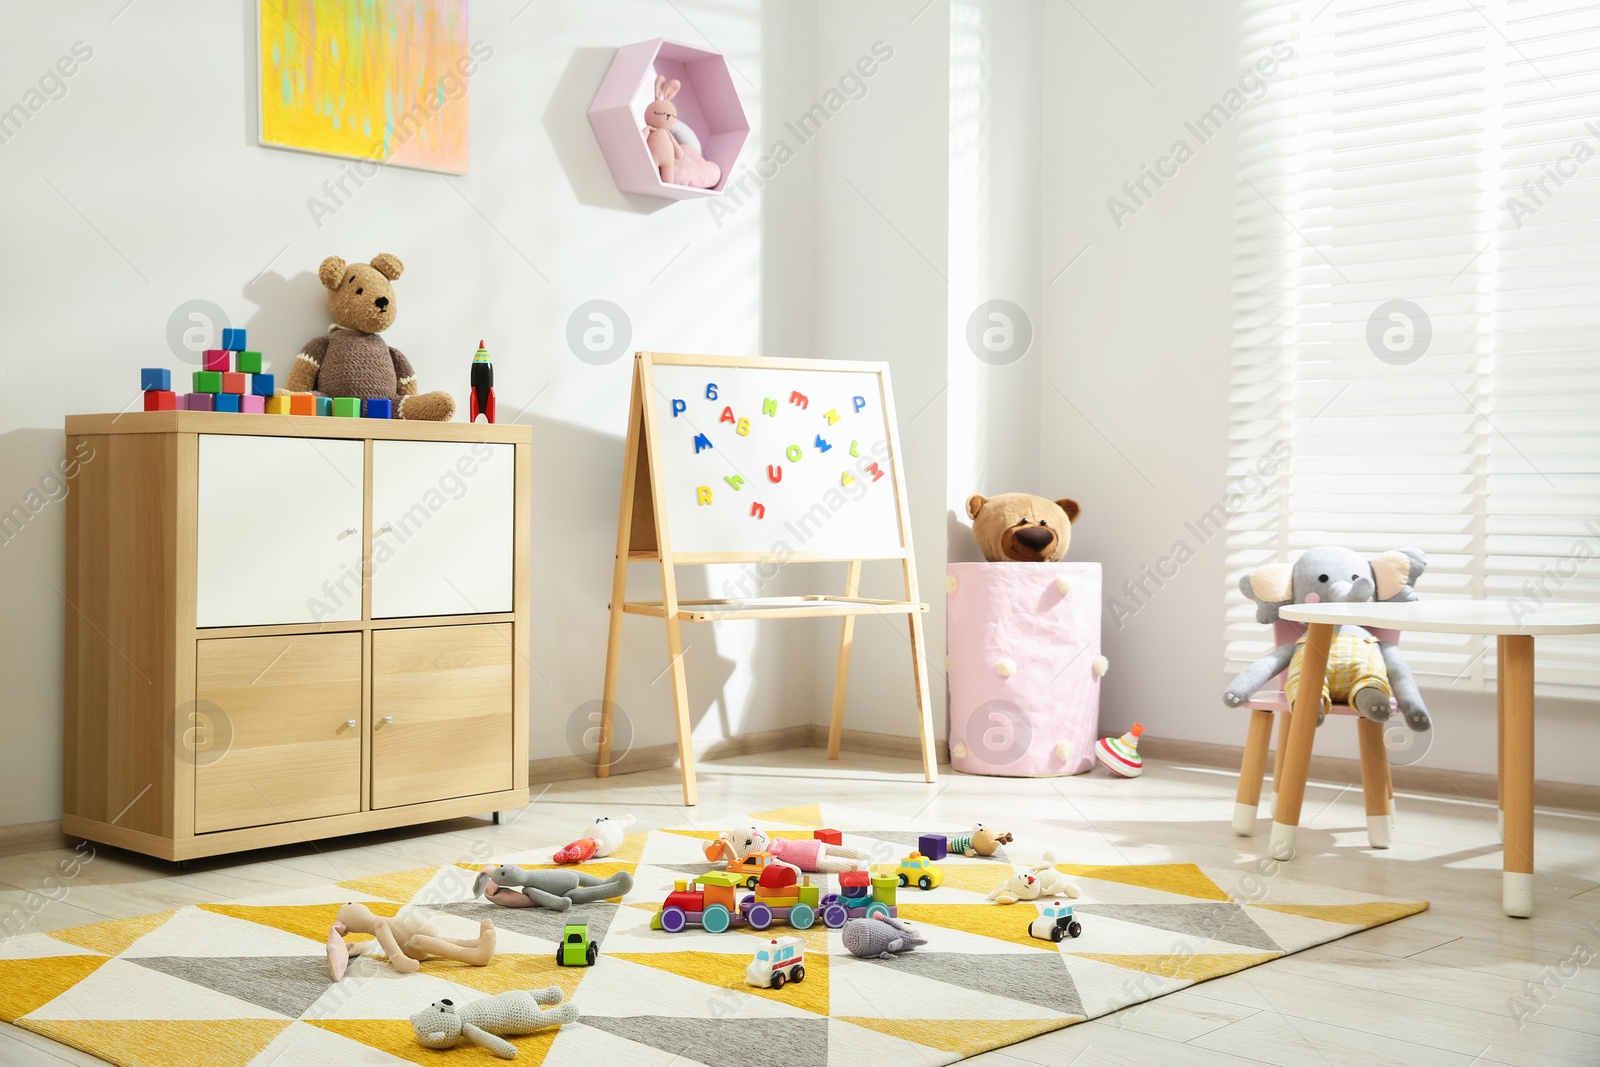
<point x="780" y="960"/>
<point x="1055" y="922"/>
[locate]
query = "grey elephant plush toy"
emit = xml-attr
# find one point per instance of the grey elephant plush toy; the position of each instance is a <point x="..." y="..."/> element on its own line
<point x="1362" y="671"/>
<point x="878" y="937"/>
<point x="516" y="1013"/>
<point x="554" y="889"/>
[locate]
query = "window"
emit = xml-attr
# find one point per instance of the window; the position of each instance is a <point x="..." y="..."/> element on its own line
<point x="1417" y="307"/>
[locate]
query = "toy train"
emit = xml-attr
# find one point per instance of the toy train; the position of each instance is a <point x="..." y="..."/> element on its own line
<point x="713" y="904"/>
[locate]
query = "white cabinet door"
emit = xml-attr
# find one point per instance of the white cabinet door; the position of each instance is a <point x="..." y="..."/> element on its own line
<point x="443" y="521"/>
<point x="279" y="536"/>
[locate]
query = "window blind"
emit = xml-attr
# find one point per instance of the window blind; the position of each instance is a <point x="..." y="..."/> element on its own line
<point x="1417" y="308"/>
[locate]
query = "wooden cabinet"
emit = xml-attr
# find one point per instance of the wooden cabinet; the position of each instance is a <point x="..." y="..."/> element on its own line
<point x="289" y="628"/>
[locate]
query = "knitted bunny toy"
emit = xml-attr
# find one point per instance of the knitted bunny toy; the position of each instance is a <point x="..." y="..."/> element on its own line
<point x="515" y="1014"/>
<point x="406" y="942"/>
<point x="659" y="116"/>
<point x="1041" y="880"/>
<point x="808" y="855"/>
<point x="557" y="890"/>
<point x="599" y="840"/>
<point x="879" y="937"/>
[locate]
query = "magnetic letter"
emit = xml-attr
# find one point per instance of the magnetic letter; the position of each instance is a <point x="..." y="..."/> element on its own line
<point x="743" y="429"/>
<point x="859" y="402"/>
<point x="872" y="469"/>
<point x="727" y="416"/>
<point x="853" y="450"/>
<point x="845" y="478"/>
<point x="733" y="479"/>
<point x="769" y="406"/>
<point x="832" y="416"/>
<point x="678" y="408"/>
<point x="774" y="474"/>
<point x="758" y="511"/>
<point x="822" y="446"/>
<point x="798" y="399"/>
<point x="701" y="443"/>
<point x="711" y="391"/>
<point x="703" y="494"/>
<point x="794" y="453"/>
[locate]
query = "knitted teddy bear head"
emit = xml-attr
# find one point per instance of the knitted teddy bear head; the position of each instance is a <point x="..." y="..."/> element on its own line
<point x="361" y="295"/>
<point x="437" y="1025"/>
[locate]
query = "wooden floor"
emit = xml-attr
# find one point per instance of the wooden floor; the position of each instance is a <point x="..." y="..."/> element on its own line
<point x="1458" y="985"/>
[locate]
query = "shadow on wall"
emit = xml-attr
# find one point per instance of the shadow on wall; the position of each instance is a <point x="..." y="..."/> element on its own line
<point x="566" y="120"/>
<point x="289" y="311"/>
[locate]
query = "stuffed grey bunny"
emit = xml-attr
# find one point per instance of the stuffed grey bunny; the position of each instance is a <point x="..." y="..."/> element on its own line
<point x="554" y="889"/>
<point x="516" y="1013"/>
<point x="1339" y="575"/>
<point x="880" y="937"/>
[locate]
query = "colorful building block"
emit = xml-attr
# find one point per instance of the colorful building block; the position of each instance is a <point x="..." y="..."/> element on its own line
<point x="251" y="404"/>
<point x="347" y="407"/>
<point x="832" y="837"/>
<point x="215" y="359"/>
<point x="302" y="404"/>
<point x="198" y="401"/>
<point x="933" y="846"/>
<point x="380" y="408"/>
<point x="235" y="383"/>
<point x="263" y="384"/>
<point x="324" y="405"/>
<point x="160" y="399"/>
<point x="278" y="405"/>
<point x="249" y="362"/>
<point x="157" y="378"/>
<point x="226" y="402"/>
<point x="233" y="339"/>
<point x="883" y="888"/>
<point x="207" y="381"/>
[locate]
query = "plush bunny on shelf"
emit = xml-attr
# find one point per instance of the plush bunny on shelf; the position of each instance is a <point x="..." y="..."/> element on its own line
<point x="659" y="116"/>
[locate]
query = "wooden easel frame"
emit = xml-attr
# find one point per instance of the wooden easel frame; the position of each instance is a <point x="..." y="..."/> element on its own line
<point x="642" y="535"/>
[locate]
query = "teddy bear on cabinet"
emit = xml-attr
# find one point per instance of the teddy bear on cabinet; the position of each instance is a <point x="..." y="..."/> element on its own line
<point x="352" y="358"/>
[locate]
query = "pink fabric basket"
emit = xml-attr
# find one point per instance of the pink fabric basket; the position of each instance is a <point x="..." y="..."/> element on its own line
<point x="1024" y="695"/>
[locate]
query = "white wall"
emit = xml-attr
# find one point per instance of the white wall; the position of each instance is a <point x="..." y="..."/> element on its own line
<point x="142" y="188"/>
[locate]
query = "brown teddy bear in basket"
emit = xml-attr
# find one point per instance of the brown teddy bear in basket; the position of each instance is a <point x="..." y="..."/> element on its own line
<point x="352" y="358"/>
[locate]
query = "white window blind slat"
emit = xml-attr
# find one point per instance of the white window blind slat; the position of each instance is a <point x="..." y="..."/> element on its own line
<point x="1445" y="154"/>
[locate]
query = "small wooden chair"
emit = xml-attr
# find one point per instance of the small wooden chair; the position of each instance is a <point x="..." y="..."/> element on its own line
<point x="1375" y="783"/>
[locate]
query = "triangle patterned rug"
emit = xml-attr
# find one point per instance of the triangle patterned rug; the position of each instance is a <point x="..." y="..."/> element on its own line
<point x="246" y="982"/>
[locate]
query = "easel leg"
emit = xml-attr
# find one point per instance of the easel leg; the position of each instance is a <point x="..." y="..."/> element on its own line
<point x="680" y="704"/>
<point x="608" y="693"/>
<point x="841" y="679"/>
<point x="1302" y="731"/>
<point x="930" y="761"/>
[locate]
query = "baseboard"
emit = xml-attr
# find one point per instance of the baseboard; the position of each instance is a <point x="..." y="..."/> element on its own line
<point x="1473" y="785"/>
<point x="32" y="837"/>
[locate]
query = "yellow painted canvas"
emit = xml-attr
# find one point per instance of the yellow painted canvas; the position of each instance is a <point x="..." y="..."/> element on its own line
<point x="384" y="80"/>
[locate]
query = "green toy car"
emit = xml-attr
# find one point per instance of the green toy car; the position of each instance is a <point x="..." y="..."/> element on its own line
<point x="576" y="949"/>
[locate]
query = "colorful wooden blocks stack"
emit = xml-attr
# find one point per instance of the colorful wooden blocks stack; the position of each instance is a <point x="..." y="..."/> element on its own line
<point x="157" y="385"/>
<point x="230" y="379"/>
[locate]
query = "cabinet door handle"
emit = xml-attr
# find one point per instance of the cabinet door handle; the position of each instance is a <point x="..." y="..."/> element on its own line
<point x="348" y="531"/>
<point x="349" y="724"/>
<point x="385" y="528"/>
<point x="388" y="720"/>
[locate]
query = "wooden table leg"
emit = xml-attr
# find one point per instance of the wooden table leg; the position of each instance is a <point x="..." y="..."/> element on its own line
<point x="1302" y="731"/>
<point x="1251" y="771"/>
<point x="1516" y="775"/>
<point x="1375" y="783"/>
<point x="841" y="677"/>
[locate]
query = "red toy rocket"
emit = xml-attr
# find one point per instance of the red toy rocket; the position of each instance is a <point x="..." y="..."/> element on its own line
<point x="481" y="402"/>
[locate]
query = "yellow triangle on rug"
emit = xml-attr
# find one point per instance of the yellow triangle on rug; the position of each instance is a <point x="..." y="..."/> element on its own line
<point x="114" y="935"/>
<point x="165" y="1042"/>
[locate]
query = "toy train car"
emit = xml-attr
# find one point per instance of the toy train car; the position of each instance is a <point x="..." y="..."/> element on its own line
<point x="712" y="904"/>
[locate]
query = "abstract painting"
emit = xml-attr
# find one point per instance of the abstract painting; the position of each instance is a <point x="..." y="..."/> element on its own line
<point x="384" y="80"/>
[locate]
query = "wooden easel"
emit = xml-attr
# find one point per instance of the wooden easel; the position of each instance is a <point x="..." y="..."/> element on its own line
<point x="642" y="534"/>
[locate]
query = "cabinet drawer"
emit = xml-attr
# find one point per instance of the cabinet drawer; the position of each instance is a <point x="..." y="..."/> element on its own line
<point x="443" y="526"/>
<point x="284" y="722"/>
<point x="441" y="713"/>
<point x="279" y="530"/>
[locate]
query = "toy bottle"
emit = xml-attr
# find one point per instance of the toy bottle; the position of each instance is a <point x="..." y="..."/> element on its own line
<point x="482" y="399"/>
<point x="1120" y="755"/>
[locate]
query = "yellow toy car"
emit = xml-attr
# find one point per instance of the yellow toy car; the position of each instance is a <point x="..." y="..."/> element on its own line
<point x="916" y="868"/>
<point x="749" y="870"/>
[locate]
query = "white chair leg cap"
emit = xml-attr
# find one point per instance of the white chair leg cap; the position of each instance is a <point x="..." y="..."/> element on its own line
<point x="1380" y="830"/>
<point x="1244" y="819"/>
<point x="1282" y="845"/>
<point x="1517" y="894"/>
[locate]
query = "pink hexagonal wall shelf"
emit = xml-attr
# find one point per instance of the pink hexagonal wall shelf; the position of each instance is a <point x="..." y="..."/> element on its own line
<point x="707" y="103"/>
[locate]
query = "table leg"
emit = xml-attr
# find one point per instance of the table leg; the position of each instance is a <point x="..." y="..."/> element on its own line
<point x="1516" y="775"/>
<point x="1302" y="731"/>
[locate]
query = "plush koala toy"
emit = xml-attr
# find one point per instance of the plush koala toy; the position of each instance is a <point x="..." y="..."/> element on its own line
<point x="1022" y="527"/>
<point x="352" y="358"/>
<point x="879" y="937"/>
<point x="1362" y="670"/>
<point x="516" y="1013"/>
